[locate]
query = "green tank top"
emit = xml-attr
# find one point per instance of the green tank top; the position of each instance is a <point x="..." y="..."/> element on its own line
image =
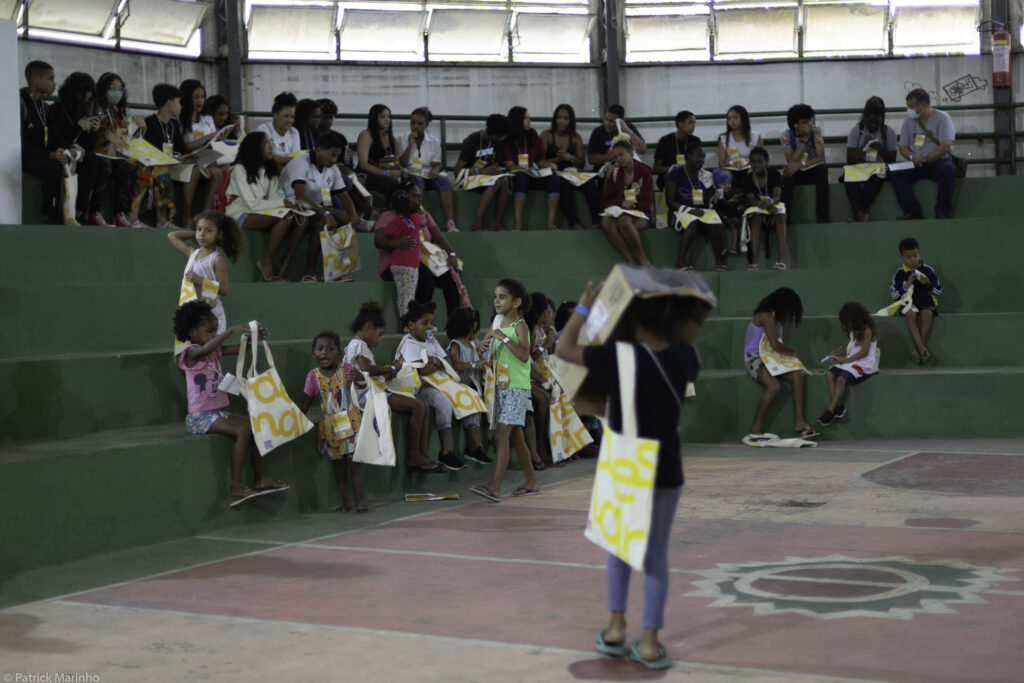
<point x="518" y="371"/>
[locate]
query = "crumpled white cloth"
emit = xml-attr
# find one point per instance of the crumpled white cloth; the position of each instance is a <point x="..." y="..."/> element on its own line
<point x="769" y="440"/>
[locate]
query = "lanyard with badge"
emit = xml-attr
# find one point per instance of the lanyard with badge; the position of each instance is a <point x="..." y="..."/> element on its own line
<point x="168" y="148"/>
<point x="680" y="157"/>
<point x="40" y="108"/>
<point x="523" y="158"/>
<point x="481" y="153"/>
<point x="696" y="190"/>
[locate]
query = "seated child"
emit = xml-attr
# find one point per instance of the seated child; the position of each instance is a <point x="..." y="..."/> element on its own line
<point x="690" y="194"/>
<point x="329" y="383"/>
<point x="915" y="273"/>
<point x="462" y="329"/>
<point x="195" y="323"/>
<point x="855" y="363"/>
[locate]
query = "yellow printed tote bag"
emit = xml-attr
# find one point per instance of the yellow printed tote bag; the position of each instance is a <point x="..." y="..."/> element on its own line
<point x="778" y="363"/>
<point x="620" y="508"/>
<point x="565" y="428"/>
<point x="275" y="419"/>
<point x="340" y="252"/>
<point x="465" y="401"/>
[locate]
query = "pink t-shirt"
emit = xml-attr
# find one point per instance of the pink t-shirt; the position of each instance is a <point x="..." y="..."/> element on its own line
<point x="394" y="227"/>
<point x="201" y="382"/>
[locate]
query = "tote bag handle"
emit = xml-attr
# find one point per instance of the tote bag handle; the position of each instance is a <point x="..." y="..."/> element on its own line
<point x="626" y="360"/>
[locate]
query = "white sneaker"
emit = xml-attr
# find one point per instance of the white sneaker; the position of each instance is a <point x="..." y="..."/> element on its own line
<point x="452" y="227"/>
<point x="364" y="225"/>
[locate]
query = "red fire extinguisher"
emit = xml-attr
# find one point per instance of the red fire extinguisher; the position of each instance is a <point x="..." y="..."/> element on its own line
<point x="1001" y="58"/>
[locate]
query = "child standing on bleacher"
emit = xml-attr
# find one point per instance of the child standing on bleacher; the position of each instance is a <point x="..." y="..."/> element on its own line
<point x="462" y="329"/>
<point x="856" y="362"/>
<point x="209" y="271"/>
<point x="329" y="382"/>
<point x="915" y="274"/>
<point x="195" y="323"/>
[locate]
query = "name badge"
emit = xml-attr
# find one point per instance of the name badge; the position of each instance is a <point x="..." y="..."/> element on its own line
<point x="629" y="194"/>
<point x="732" y="152"/>
<point x="479" y="163"/>
<point x="680" y="159"/>
<point x="919" y="141"/>
<point x="524" y="160"/>
<point x="210" y="291"/>
<point x="416" y="165"/>
<point x="168" y="148"/>
<point x="197" y="133"/>
<point x="871" y="155"/>
<point x="765" y="198"/>
<point x="803" y="157"/>
<point x="501" y="379"/>
<point x="698" y="197"/>
<point x="325" y="196"/>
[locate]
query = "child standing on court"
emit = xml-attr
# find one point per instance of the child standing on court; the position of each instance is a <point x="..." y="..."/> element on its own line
<point x="209" y="273"/>
<point x="368" y="328"/>
<point x="195" y="323"/>
<point x="924" y="306"/>
<point x="780" y="307"/>
<point x="510" y="354"/>
<point x="661" y="332"/>
<point x="328" y="381"/>
<point x="462" y="329"/>
<point x="854" y="364"/>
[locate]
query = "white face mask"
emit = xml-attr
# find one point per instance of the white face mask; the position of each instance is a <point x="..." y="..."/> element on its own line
<point x="912" y="113"/>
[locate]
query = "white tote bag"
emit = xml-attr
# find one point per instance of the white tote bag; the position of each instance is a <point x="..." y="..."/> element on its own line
<point x="620" y="509"/>
<point x="375" y="444"/>
<point x="340" y="252"/>
<point x="275" y="419"/>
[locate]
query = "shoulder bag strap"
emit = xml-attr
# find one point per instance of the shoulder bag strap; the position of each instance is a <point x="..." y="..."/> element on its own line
<point x="626" y="360"/>
<point x="664" y="375"/>
<point x="927" y="133"/>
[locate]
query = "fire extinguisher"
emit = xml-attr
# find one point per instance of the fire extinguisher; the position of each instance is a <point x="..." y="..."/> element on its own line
<point x="1001" y="58"/>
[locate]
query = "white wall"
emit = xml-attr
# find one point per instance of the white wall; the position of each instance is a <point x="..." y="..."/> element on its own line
<point x="10" y="117"/>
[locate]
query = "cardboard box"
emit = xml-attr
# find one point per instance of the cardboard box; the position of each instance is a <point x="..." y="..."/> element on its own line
<point x="624" y="285"/>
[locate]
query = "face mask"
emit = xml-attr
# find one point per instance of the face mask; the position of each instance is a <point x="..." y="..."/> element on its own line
<point x="114" y="96"/>
<point x="911" y="113"/>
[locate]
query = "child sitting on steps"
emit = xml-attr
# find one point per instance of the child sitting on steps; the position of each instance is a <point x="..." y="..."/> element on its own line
<point x="854" y="364"/>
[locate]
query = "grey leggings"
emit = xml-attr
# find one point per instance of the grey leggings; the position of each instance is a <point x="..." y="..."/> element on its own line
<point x="443" y="411"/>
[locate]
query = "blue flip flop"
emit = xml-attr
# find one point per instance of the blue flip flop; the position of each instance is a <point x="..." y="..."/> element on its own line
<point x="662" y="662"/>
<point x="610" y="649"/>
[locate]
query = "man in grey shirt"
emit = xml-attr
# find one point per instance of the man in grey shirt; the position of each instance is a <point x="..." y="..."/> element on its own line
<point x="926" y="139"/>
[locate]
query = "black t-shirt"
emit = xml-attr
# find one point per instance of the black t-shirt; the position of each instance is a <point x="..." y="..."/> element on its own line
<point x="33" y="122"/>
<point x="747" y="182"/>
<point x="657" y="408"/>
<point x="157" y="133"/>
<point x="601" y="141"/>
<point x="668" y="147"/>
<point x="478" y="147"/>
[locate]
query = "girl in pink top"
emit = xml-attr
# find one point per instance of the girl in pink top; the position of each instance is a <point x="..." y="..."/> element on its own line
<point x="195" y="323"/>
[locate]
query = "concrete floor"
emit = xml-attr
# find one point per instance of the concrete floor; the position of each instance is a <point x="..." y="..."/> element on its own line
<point x="866" y="561"/>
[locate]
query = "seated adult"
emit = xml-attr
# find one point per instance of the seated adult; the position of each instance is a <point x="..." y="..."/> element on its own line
<point x="73" y="120"/>
<point x="763" y="190"/>
<point x="629" y="186"/>
<point x="37" y="159"/>
<point x="313" y="181"/>
<point x="481" y="154"/>
<point x="524" y="157"/>
<point x="669" y="151"/>
<point x="869" y="142"/>
<point x="804" y="148"/>
<point x="307" y="122"/>
<point x="735" y="144"/>
<point x="926" y="139"/>
<point x="377" y="150"/>
<point x="599" y="147"/>
<point x="564" y="146"/>
<point x="690" y="190"/>
<point x="284" y="139"/>
<point x="254" y="187"/>
<point x="397" y="235"/>
<point x="419" y="153"/>
<point x="197" y="129"/>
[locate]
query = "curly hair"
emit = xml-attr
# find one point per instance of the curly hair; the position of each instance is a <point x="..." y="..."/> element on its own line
<point x="516" y="289"/>
<point x="416" y="311"/>
<point x="854" y="317"/>
<point x="370" y="312"/>
<point x="799" y="112"/>
<point x="784" y="303"/>
<point x="189" y="316"/>
<point x="283" y="100"/>
<point x="461" y="322"/>
<point x="72" y="94"/>
<point x="229" y="237"/>
<point x="327" y="334"/>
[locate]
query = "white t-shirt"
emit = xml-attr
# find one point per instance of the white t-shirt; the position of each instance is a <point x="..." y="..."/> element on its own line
<point x="302" y="169"/>
<point x="282" y="144"/>
<point x="429" y="151"/>
<point x="729" y="142"/>
<point x="205" y="126"/>
<point x="411" y="348"/>
<point x="357" y="348"/>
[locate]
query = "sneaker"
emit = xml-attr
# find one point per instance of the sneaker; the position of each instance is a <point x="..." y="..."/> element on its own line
<point x="827" y="418"/>
<point x="121" y="220"/>
<point x="840" y="412"/>
<point x="452" y="227"/>
<point x="451" y="462"/>
<point x="479" y="456"/>
<point x="96" y="218"/>
<point x="139" y="224"/>
<point x="364" y="225"/>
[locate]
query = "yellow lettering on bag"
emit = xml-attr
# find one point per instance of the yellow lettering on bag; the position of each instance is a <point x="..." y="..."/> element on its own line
<point x="287" y="424"/>
<point x="258" y="385"/>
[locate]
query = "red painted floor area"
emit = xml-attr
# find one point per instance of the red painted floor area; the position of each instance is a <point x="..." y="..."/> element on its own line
<point x="425" y="575"/>
<point x="979" y="474"/>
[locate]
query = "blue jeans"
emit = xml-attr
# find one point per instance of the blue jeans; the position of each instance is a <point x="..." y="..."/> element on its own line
<point x="440" y="183"/>
<point x="521" y="182"/>
<point x="941" y="171"/>
<point x="655" y="563"/>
